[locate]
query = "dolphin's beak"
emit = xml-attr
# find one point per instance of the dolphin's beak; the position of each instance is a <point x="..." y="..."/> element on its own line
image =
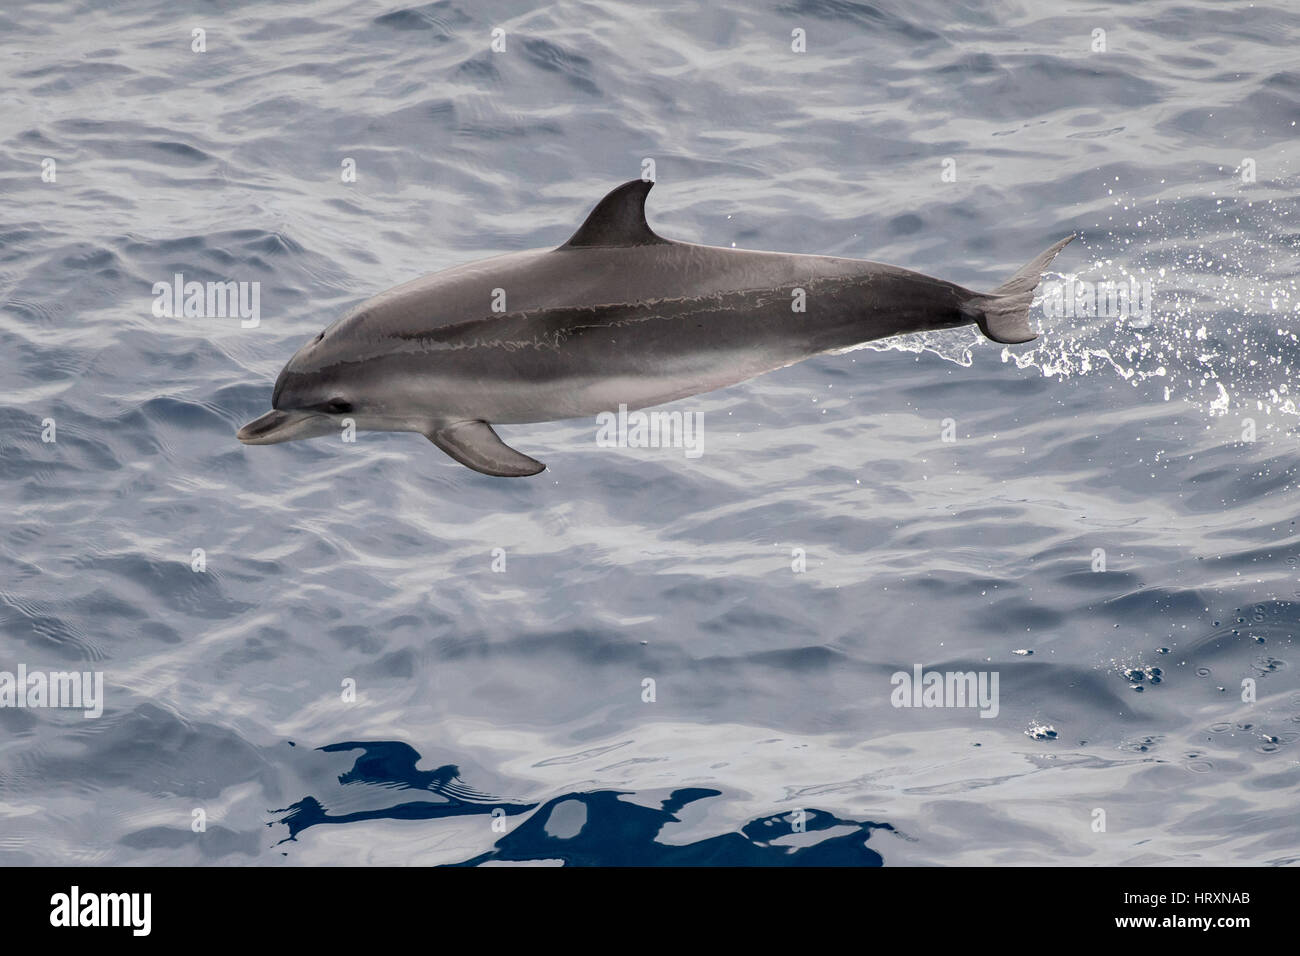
<point x="276" y="426"/>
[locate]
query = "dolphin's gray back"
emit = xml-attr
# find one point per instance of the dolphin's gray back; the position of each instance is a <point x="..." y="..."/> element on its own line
<point x="460" y="301"/>
<point x="650" y="323"/>
<point x="616" y="315"/>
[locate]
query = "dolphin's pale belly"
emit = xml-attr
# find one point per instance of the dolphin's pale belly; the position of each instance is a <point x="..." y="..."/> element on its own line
<point x="589" y="395"/>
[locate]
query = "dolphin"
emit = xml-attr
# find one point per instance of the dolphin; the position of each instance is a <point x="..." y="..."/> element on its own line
<point x="616" y="316"/>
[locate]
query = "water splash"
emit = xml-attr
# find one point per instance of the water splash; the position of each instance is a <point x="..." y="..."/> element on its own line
<point x="1220" y="333"/>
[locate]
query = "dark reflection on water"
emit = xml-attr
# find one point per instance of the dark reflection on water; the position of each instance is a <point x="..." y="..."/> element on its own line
<point x="391" y="763"/>
<point x="599" y="828"/>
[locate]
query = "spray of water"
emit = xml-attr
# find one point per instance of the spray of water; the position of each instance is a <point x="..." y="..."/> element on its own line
<point x="1220" y="333"/>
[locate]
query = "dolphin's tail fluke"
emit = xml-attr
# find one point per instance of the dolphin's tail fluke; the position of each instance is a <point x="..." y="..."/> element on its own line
<point x="1003" y="314"/>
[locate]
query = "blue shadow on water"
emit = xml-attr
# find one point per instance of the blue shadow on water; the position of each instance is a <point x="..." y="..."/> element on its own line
<point x="596" y="828"/>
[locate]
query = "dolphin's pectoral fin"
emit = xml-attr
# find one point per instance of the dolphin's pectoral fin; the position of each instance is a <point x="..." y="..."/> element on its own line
<point x="475" y="445"/>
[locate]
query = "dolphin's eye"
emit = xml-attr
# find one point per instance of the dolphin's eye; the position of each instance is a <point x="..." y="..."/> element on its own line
<point x="319" y="336"/>
<point x="338" y="407"/>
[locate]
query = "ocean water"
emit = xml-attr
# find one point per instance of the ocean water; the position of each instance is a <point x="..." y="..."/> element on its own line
<point x="361" y="653"/>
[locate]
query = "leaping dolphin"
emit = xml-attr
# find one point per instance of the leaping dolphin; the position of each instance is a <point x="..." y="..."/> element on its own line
<point x="616" y="316"/>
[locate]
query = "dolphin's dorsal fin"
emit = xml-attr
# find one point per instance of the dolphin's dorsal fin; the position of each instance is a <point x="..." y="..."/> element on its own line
<point x="618" y="220"/>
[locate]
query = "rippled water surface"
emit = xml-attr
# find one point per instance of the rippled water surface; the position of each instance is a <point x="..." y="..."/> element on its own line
<point x="500" y="715"/>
